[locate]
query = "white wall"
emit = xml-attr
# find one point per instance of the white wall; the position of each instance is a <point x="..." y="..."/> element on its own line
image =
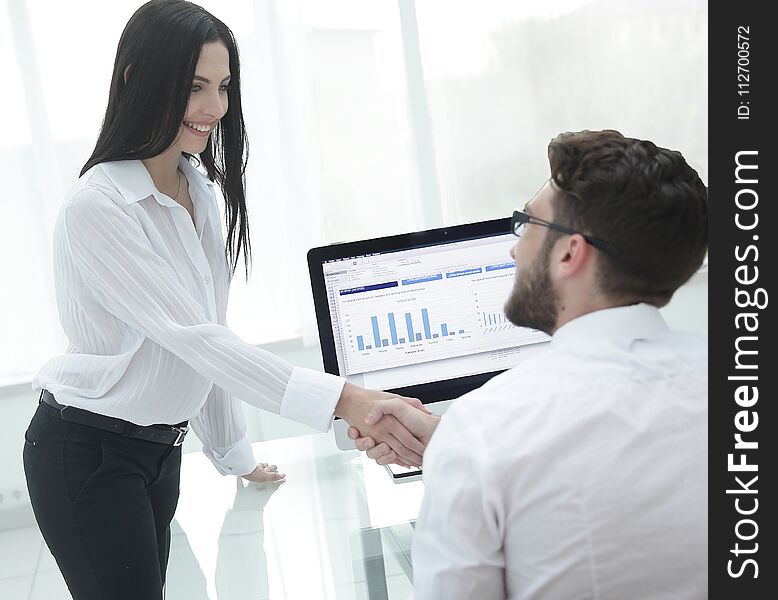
<point x="687" y="311"/>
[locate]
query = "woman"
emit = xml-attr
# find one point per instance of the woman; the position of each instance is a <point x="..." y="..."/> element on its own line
<point x="142" y="276"/>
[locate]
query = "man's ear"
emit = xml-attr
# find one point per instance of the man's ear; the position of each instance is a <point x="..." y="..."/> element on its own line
<point x="574" y="255"/>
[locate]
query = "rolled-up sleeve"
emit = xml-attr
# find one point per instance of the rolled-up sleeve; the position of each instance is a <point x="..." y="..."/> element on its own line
<point x="221" y="427"/>
<point x="110" y="251"/>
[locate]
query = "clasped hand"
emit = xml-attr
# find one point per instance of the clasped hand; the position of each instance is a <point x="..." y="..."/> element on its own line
<point x="391" y="428"/>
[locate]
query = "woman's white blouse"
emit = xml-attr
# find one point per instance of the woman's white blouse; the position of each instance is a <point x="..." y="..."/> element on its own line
<point x="142" y="297"/>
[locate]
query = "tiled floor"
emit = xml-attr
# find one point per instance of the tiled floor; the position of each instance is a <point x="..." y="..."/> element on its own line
<point x="27" y="569"/>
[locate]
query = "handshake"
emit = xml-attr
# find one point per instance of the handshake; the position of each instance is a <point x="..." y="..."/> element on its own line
<point x="391" y="428"/>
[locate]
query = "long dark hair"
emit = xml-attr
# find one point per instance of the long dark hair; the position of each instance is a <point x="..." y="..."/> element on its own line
<point x="159" y="50"/>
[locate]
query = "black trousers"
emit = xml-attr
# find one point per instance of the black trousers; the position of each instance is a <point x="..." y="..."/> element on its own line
<point x="103" y="503"/>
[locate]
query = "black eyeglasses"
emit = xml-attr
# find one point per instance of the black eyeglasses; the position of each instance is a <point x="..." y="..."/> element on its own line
<point x="520" y="219"/>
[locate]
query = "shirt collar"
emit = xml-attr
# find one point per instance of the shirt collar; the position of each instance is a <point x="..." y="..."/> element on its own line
<point x="134" y="182"/>
<point x="195" y="178"/>
<point x="632" y="322"/>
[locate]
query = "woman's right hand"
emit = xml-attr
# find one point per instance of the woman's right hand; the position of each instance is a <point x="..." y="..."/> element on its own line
<point x="421" y="423"/>
<point x="356" y="403"/>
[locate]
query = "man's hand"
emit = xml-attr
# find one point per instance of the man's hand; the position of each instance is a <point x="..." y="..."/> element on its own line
<point x="420" y="423"/>
<point x="356" y="403"/>
<point x="264" y="473"/>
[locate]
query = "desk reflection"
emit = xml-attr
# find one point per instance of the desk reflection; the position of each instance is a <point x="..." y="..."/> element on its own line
<point x="306" y="541"/>
<point x="241" y="563"/>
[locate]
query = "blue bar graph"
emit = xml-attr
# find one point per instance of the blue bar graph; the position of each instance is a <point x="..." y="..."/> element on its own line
<point x="392" y="328"/>
<point x="396" y="337"/>
<point x="409" y="326"/>
<point x="425" y="318"/>
<point x="376" y="333"/>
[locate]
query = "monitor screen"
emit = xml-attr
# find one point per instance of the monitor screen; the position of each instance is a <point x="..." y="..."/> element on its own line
<point x="409" y="316"/>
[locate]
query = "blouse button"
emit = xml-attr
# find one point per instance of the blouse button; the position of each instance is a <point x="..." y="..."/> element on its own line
<point x="207" y="280"/>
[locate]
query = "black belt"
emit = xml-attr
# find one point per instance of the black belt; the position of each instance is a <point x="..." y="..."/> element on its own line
<point x="172" y="435"/>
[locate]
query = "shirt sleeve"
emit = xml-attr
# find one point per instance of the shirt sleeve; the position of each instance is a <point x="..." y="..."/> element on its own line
<point x="221" y="427"/>
<point x="457" y="545"/>
<point x="112" y="254"/>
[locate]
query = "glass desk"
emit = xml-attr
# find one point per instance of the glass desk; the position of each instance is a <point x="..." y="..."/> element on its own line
<point x="338" y="528"/>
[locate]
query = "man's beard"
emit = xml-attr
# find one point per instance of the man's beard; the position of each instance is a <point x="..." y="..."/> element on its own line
<point x="533" y="302"/>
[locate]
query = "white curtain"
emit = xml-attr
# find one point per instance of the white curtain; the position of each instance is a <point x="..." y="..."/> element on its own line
<point x="365" y="118"/>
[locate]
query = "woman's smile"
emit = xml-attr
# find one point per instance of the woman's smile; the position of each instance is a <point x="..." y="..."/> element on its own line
<point x="199" y="129"/>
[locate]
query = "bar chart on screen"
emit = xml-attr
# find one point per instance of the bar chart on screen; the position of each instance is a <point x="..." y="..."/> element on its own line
<point x="410" y="329"/>
<point x="434" y="316"/>
<point x="489" y="300"/>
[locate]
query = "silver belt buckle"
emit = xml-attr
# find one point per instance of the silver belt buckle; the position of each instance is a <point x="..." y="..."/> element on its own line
<point x="182" y="431"/>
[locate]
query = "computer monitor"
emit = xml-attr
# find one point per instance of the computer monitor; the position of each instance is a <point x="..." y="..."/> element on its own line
<point x="420" y="314"/>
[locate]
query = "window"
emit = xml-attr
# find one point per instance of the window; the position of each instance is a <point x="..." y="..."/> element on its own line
<point x="364" y="119"/>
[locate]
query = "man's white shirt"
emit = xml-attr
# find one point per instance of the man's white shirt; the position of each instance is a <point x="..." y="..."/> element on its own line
<point x="581" y="473"/>
<point x="142" y="297"/>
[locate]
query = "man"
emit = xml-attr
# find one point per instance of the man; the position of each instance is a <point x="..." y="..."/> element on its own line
<point x="581" y="473"/>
